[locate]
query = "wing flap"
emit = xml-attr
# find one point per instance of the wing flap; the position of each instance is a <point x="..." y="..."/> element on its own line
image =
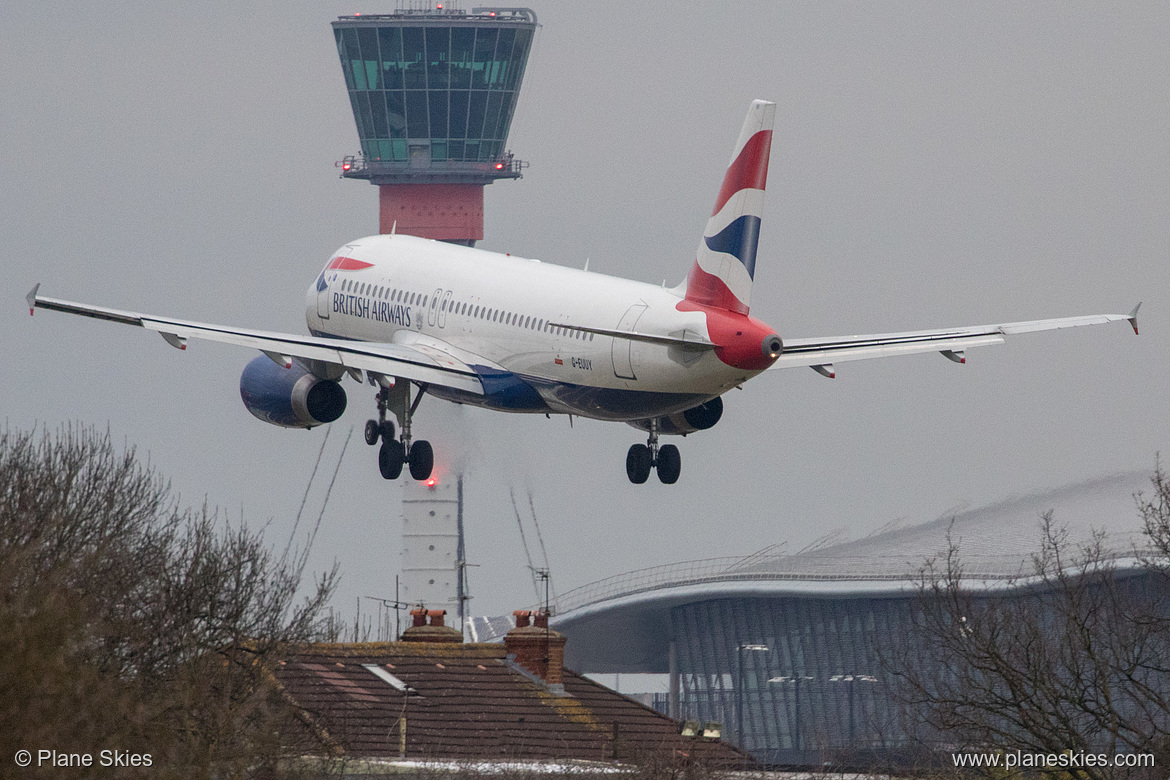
<point x="822" y="351"/>
<point x="684" y="340"/>
<point x="388" y="359"/>
<point x="844" y="354"/>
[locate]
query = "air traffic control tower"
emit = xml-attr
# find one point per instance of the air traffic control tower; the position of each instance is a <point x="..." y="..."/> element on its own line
<point x="433" y="89"/>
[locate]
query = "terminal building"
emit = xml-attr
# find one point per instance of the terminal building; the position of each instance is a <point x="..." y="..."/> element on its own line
<point x="785" y="650"/>
<point x="433" y="90"/>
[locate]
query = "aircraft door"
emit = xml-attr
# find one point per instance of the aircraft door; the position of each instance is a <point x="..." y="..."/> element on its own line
<point x="622" y="349"/>
<point x="433" y="307"/>
<point x="323" y="296"/>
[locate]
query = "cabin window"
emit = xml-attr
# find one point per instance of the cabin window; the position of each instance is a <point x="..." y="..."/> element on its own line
<point x="424" y="301"/>
<point x="443" y="306"/>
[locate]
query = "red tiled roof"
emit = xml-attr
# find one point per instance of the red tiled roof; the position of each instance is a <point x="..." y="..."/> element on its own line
<point x="468" y="701"/>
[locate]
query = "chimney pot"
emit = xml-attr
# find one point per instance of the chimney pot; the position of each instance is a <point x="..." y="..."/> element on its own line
<point x="437" y="631"/>
<point x="540" y="619"/>
<point x="537" y="648"/>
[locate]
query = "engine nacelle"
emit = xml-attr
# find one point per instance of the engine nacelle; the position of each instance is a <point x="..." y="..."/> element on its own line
<point x="289" y="397"/>
<point x="697" y="418"/>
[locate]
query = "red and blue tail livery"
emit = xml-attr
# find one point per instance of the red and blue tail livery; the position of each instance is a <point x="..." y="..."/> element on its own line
<point x="406" y="316"/>
<point x="725" y="263"/>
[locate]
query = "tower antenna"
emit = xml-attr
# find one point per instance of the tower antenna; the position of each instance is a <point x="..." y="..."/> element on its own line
<point x="524" y="540"/>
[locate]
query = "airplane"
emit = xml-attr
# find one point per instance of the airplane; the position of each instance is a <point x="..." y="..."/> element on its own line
<point x="415" y="317"/>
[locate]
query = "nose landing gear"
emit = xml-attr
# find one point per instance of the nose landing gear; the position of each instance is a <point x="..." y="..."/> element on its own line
<point x="395" y="453"/>
<point x="641" y="458"/>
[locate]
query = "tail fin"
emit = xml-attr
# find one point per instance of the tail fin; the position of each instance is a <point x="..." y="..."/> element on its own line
<point x="726" y="260"/>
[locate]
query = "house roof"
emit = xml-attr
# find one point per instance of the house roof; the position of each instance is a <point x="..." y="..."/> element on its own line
<point x="472" y="702"/>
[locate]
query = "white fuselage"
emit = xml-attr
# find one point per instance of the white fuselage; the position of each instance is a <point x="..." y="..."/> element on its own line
<point x="504" y="316"/>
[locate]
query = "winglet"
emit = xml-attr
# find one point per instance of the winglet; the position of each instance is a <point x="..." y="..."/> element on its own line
<point x="1132" y="316"/>
<point x="32" y="299"/>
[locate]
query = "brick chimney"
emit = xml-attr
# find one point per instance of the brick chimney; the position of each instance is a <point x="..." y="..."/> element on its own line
<point x="435" y="631"/>
<point x="537" y="648"/>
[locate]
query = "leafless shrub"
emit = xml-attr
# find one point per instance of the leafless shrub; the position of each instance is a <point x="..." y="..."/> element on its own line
<point x="131" y="623"/>
<point x="1073" y="655"/>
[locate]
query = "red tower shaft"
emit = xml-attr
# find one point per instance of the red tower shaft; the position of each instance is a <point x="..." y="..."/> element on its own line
<point x="446" y="212"/>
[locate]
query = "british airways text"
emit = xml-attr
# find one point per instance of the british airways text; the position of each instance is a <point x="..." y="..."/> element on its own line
<point x="379" y="311"/>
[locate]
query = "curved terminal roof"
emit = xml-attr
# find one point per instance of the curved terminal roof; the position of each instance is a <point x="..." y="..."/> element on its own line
<point x="996" y="544"/>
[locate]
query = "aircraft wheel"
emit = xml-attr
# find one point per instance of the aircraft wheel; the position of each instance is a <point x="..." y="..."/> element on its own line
<point x="372" y="432"/>
<point x="638" y="463"/>
<point x="387" y="430"/>
<point x="390" y="459"/>
<point x="669" y="464"/>
<point x="422" y="460"/>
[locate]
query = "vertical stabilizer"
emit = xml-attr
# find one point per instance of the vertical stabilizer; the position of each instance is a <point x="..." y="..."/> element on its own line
<point x="725" y="263"/>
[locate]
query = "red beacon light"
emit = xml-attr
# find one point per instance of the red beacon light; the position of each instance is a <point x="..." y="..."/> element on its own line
<point x="431" y="482"/>
<point x="499" y="166"/>
<point x="346" y="166"/>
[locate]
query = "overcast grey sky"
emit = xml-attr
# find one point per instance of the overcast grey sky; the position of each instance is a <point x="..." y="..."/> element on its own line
<point x="934" y="164"/>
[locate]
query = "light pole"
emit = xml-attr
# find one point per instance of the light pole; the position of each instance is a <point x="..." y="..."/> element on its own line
<point x="740" y="697"/>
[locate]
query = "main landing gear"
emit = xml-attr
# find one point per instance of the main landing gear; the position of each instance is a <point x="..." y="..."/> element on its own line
<point x="643" y="457"/>
<point x="397" y="452"/>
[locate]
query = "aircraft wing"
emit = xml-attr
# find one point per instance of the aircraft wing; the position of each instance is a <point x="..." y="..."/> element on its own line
<point x="392" y="360"/>
<point x="821" y="353"/>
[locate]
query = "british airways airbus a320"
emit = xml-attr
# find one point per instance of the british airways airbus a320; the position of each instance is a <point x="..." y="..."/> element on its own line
<point x="415" y="317"/>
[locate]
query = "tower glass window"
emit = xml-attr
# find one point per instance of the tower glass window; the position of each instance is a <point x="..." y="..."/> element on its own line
<point x="439" y="89"/>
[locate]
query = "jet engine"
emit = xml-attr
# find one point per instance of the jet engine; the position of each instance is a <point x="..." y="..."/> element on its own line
<point x="697" y="418"/>
<point x="289" y="397"/>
